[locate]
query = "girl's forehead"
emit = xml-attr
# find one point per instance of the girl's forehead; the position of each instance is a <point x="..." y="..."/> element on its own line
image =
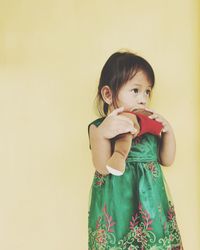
<point x="145" y="84"/>
<point x="139" y="79"/>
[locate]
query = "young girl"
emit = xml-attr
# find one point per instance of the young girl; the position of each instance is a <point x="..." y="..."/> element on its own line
<point x="134" y="210"/>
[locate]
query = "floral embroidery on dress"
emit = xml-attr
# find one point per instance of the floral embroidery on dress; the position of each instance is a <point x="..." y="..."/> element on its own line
<point x="103" y="235"/>
<point x="153" y="168"/>
<point x="137" y="140"/>
<point x="99" y="179"/>
<point x="140" y="235"/>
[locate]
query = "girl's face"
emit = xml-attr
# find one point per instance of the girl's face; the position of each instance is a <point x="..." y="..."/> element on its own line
<point x="135" y="93"/>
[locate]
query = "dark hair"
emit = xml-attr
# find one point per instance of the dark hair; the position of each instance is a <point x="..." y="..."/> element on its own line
<point x="118" y="69"/>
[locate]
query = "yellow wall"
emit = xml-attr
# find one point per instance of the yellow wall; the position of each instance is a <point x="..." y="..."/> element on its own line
<point x="51" y="55"/>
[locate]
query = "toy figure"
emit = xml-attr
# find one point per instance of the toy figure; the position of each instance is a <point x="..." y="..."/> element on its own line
<point x="116" y="164"/>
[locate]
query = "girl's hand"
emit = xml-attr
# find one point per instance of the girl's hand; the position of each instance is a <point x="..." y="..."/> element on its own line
<point x="161" y="119"/>
<point x="115" y="124"/>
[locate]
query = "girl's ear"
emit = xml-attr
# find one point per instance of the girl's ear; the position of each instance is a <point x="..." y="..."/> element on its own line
<point x="106" y="94"/>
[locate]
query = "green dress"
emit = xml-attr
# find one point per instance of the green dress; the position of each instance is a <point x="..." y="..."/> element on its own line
<point x="133" y="211"/>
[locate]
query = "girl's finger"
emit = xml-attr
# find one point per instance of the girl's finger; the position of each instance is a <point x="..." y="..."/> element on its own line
<point x="124" y="118"/>
<point x="159" y="120"/>
<point x="116" y="111"/>
<point x="151" y="110"/>
<point x="164" y="130"/>
<point x="153" y="116"/>
<point x="134" y="132"/>
<point x="131" y="130"/>
<point x="126" y="125"/>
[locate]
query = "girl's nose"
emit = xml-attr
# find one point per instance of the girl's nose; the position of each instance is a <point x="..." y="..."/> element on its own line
<point x="142" y="100"/>
<point x="142" y="103"/>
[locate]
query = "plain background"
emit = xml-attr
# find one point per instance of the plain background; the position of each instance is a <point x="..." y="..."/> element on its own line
<point x="51" y="55"/>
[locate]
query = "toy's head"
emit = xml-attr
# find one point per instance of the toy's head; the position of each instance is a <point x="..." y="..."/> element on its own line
<point x="147" y="125"/>
<point x="143" y="112"/>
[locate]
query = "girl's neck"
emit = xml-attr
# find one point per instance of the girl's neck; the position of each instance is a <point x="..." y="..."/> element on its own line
<point x="110" y="109"/>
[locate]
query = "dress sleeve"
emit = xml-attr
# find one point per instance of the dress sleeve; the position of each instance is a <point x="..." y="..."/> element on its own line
<point x="96" y="122"/>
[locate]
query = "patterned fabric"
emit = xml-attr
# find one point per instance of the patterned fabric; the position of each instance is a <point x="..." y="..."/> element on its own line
<point x="135" y="210"/>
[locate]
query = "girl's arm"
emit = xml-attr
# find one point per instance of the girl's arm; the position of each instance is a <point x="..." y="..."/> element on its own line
<point x="167" y="149"/>
<point x="167" y="144"/>
<point x="101" y="149"/>
<point x="100" y="136"/>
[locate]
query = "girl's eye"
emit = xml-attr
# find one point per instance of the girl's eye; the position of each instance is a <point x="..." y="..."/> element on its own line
<point x="148" y="92"/>
<point x="135" y="90"/>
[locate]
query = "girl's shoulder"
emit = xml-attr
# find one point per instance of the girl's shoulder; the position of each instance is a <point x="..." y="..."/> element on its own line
<point x="96" y="122"/>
